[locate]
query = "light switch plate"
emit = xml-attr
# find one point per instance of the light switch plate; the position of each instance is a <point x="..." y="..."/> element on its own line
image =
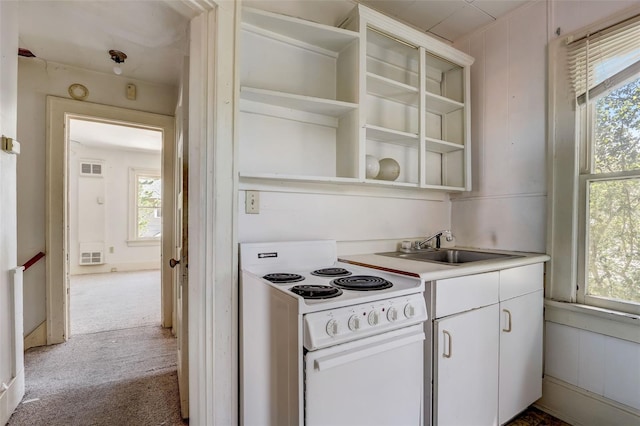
<point x="252" y="202"/>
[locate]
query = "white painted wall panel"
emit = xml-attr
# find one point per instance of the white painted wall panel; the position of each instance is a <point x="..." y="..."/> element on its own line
<point x="570" y="15"/>
<point x="561" y="352"/>
<point x="298" y="216"/>
<point x="36" y="79"/>
<point x="590" y="362"/>
<point x="109" y="223"/>
<point x="510" y="223"/>
<point x="507" y="207"/>
<point x="622" y="373"/>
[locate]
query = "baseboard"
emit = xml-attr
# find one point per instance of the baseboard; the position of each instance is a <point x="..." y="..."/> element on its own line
<point x="115" y="267"/>
<point x="37" y="337"/>
<point x="577" y="406"/>
<point x="11" y="397"/>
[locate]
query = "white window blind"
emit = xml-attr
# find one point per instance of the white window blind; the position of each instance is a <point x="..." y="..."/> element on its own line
<point x="603" y="60"/>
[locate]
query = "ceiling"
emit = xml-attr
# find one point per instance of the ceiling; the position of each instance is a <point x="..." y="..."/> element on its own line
<point x="153" y="33"/>
<point x="113" y="136"/>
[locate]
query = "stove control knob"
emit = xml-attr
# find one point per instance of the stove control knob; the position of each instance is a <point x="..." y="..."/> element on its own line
<point x="409" y="310"/>
<point x="392" y="314"/>
<point x="354" y="323"/>
<point x="332" y="327"/>
<point x="373" y="318"/>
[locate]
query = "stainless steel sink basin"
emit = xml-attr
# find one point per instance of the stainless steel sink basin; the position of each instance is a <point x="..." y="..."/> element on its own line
<point x="448" y="256"/>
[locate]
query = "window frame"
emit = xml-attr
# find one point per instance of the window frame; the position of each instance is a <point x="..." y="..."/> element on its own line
<point x="134" y="239"/>
<point x="570" y="172"/>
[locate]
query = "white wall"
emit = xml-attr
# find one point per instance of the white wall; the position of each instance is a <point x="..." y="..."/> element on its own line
<point x="36" y="80"/>
<point x="507" y="208"/>
<point x="360" y="223"/>
<point x="112" y="219"/>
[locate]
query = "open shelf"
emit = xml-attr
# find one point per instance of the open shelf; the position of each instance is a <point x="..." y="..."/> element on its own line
<point x="328" y="107"/>
<point x="395" y="137"/>
<point x="391" y="183"/>
<point x="299" y="178"/>
<point x="299" y="31"/>
<point x="442" y="147"/>
<point x="440" y="105"/>
<point x="387" y="88"/>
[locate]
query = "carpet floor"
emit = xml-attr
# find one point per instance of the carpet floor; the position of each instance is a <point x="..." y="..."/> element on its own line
<point x="123" y="376"/>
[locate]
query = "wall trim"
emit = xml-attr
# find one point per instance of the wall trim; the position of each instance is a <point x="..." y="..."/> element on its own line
<point x="10" y="398"/>
<point x="580" y="407"/>
<point x="37" y="337"/>
<point x="597" y="320"/>
<point x="499" y="197"/>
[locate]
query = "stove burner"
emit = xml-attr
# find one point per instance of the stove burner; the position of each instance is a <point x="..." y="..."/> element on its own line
<point x="361" y="283"/>
<point x="331" y="272"/>
<point x="283" y="278"/>
<point x="316" y="291"/>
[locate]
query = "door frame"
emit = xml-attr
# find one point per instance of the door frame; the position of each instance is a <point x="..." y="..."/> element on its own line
<point x="59" y="111"/>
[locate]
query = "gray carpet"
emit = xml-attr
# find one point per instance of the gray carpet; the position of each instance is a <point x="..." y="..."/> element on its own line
<point x="124" y="376"/>
<point x="111" y="301"/>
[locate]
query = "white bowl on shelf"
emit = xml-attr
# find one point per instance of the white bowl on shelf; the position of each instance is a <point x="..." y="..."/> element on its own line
<point x="389" y="169"/>
<point x="372" y="166"/>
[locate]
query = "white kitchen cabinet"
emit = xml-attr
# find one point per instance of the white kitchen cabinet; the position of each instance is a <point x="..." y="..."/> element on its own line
<point x="521" y="323"/>
<point x="466" y="368"/>
<point x="520" y="354"/>
<point x="487" y="345"/>
<point x="316" y="101"/>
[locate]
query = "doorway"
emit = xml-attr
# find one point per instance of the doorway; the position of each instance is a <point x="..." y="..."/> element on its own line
<point x="61" y="113"/>
<point x="114" y="207"/>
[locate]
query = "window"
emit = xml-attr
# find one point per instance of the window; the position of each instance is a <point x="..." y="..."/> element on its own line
<point x="604" y="72"/>
<point x="146" y="212"/>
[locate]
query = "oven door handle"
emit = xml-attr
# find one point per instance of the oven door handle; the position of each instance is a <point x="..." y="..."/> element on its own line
<point x="341" y="358"/>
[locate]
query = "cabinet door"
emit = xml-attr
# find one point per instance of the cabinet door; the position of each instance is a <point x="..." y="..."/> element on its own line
<point x="520" y="353"/>
<point x="466" y="368"/>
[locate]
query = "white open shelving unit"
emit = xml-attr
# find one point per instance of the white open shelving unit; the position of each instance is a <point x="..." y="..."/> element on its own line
<point x="316" y="100"/>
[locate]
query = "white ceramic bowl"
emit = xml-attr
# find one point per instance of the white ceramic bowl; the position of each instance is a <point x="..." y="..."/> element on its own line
<point x="373" y="167"/>
<point x="389" y="169"/>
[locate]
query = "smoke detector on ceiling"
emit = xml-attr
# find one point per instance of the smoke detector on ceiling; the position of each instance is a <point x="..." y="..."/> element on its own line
<point x="118" y="57"/>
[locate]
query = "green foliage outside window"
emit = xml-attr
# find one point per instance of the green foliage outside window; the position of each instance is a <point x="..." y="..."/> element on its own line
<point x="614" y="204"/>
<point x="149" y="202"/>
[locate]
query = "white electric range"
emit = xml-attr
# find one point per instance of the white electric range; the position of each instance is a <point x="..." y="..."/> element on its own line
<point x="325" y="342"/>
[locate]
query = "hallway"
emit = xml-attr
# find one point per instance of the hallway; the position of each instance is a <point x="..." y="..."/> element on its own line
<point x="118" y="367"/>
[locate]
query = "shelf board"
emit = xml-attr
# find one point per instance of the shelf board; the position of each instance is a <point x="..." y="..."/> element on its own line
<point x="310" y="104"/>
<point x="299" y="30"/>
<point x="391" y="183"/>
<point x="437" y="145"/>
<point x="440" y="105"/>
<point x="395" y="137"/>
<point x="391" y="89"/>
<point x="298" y="178"/>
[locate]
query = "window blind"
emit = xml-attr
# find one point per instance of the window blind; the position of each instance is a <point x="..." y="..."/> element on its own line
<point x="603" y="60"/>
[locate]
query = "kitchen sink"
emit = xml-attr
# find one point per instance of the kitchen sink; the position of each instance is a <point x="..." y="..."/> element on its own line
<point x="448" y="256"/>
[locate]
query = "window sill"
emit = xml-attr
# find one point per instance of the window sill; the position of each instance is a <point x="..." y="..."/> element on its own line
<point x="616" y="324"/>
<point x="143" y="243"/>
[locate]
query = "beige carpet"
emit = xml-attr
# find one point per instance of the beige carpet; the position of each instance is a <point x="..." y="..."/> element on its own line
<point x="126" y="376"/>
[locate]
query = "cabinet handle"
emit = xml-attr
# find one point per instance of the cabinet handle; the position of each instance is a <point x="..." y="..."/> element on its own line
<point x="508" y="329"/>
<point x="447" y="354"/>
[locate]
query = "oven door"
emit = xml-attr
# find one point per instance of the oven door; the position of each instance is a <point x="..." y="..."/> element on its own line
<point x="373" y="381"/>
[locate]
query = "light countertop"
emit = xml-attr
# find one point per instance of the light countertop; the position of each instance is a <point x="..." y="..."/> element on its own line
<point x="429" y="271"/>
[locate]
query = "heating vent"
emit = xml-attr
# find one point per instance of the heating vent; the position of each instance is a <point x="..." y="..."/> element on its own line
<point x="91" y="258"/>
<point x="90" y="168"/>
<point x="91" y="253"/>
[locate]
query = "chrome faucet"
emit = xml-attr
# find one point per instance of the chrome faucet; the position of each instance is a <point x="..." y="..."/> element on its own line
<point x="447" y="233"/>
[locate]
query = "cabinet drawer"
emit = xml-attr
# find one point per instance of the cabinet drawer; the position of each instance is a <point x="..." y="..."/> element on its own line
<point x="461" y="294"/>
<point x="518" y="281"/>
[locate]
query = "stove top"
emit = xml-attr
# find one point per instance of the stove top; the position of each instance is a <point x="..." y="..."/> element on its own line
<point x="361" y="283"/>
<point x="283" y="278"/>
<point x="321" y="282"/>
<point x="316" y="291"/>
<point x="331" y="272"/>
